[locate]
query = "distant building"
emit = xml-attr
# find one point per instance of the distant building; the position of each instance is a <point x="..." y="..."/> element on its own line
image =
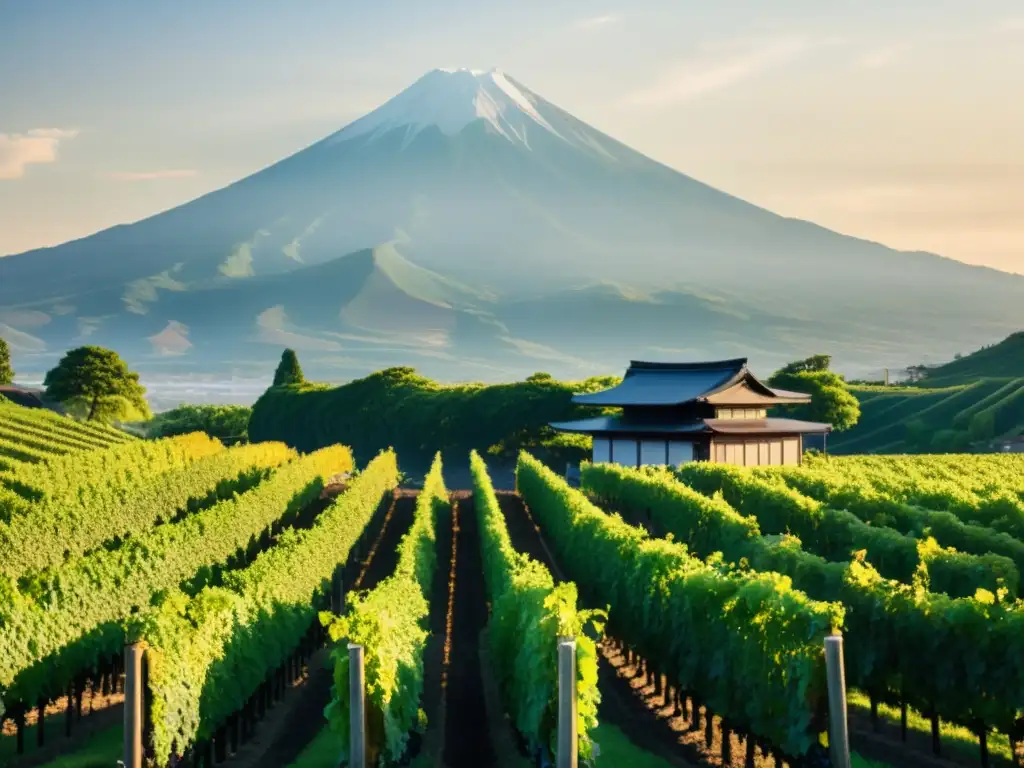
<point x="678" y="412"/>
<point x="1010" y="445"/>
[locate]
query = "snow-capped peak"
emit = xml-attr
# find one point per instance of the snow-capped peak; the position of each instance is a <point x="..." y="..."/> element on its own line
<point x="451" y="99"/>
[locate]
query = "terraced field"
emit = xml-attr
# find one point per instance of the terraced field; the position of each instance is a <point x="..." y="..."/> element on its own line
<point x="699" y="598"/>
<point x="920" y="419"/>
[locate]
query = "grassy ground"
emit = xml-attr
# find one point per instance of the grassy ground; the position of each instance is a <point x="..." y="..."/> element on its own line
<point x="103" y="749"/>
<point x="862" y="762"/>
<point x="616" y="750"/>
<point x="956" y="741"/>
<point x="100" y="750"/>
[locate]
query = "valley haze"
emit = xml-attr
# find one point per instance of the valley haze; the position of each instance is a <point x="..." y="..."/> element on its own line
<point x="472" y="229"/>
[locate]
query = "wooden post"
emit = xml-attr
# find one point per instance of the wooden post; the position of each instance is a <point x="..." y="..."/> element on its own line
<point x="568" y="743"/>
<point x="133" y="695"/>
<point x="838" y="728"/>
<point x="357" y="707"/>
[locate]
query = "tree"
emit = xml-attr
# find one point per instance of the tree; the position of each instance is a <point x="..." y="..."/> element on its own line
<point x="916" y="373"/>
<point x="808" y="365"/>
<point x="6" y="372"/>
<point x="220" y="421"/>
<point x="982" y="426"/>
<point x="831" y="399"/>
<point x="96" y="384"/>
<point x="288" y="370"/>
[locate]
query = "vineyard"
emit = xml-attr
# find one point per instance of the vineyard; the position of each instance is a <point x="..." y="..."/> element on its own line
<point x="221" y="592"/>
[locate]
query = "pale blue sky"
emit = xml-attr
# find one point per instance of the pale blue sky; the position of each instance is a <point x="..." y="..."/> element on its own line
<point x="896" y="120"/>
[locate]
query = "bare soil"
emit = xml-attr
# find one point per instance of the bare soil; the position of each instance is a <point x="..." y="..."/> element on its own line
<point x="467" y="737"/>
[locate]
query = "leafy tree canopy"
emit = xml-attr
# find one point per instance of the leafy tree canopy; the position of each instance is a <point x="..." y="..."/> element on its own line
<point x="288" y="370"/>
<point x="95" y="384"/>
<point x="831" y="399"/>
<point x="6" y="372"/>
<point x="807" y="365"/>
<point x="220" y="421"/>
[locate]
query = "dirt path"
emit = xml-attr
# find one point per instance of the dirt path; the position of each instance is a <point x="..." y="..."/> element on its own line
<point x="279" y="743"/>
<point x="467" y="741"/>
<point x="619" y="706"/>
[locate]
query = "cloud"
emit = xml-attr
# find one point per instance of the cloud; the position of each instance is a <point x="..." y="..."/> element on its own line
<point x="879" y="58"/>
<point x="151" y="175"/>
<point x="720" y="66"/>
<point x="38" y="146"/>
<point x="596" y="22"/>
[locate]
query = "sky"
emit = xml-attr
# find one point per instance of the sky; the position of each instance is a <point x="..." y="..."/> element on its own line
<point x="899" y="121"/>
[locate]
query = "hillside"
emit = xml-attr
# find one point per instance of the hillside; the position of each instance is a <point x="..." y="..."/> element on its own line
<point x="486" y="245"/>
<point x="972" y="400"/>
<point x="1003" y="360"/>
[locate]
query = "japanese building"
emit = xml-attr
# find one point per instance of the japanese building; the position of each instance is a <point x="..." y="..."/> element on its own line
<point x="678" y="412"/>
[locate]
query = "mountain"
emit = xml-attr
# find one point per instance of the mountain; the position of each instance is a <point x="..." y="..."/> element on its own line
<point x="473" y="229"/>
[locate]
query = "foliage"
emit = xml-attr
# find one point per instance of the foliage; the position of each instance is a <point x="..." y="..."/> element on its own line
<point x="839" y="484"/>
<point x="34" y="436"/>
<point x="220" y="421"/>
<point x="950" y="441"/>
<point x="748" y="646"/>
<point x="835" y="534"/>
<point x="126" y="498"/>
<point x="6" y="371"/>
<point x="208" y="655"/>
<point x="812" y="364"/>
<point x="960" y="664"/>
<point x="65" y="620"/>
<point x="96" y="382"/>
<point x="982" y="426"/>
<point x="529" y="614"/>
<point x="985" y="489"/>
<point x="396" y="407"/>
<point x="831" y="399"/>
<point x="288" y="372"/>
<point x="54" y="425"/>
<point x="81" y="501"/>
<point x="390" y="622"/>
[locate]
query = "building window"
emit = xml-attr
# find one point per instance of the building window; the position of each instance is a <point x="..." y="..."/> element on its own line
<point x="652" y="452"/>
<point x="741" y="413"/>
<point x="602" y="450"/>
<point x="624" y="452"/>
<point x="679" y="452"/>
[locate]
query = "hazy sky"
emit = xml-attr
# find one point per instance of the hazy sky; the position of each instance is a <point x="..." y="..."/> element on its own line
<point x="900" y="121"/>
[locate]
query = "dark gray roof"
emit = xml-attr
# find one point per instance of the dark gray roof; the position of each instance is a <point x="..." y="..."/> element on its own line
<point x="619" y="424"/>
<point x="662" y="384"/>
<point x="625" y="425"/>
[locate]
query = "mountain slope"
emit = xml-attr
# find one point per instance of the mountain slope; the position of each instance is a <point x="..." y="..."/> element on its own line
<point x="1002" y="360"/>
<point x="485" y="208"/>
